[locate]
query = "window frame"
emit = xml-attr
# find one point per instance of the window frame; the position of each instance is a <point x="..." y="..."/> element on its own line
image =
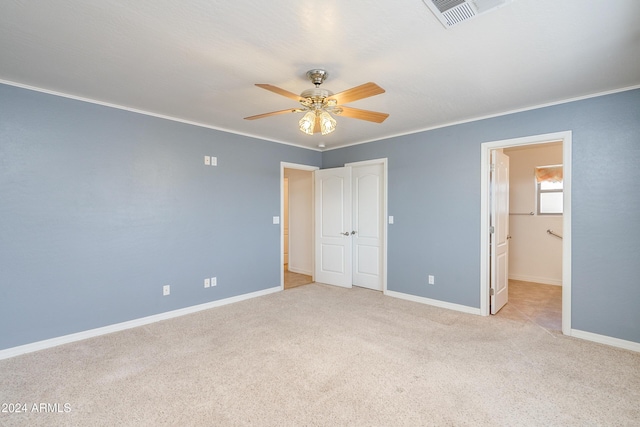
<point x="540" y="191"/>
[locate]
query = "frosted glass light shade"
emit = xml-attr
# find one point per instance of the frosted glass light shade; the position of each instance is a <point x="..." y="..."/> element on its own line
<point x="327" y="123"/>
<point x="307" y="123"/>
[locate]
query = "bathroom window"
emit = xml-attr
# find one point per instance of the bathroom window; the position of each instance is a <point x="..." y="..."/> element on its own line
<point x="549" y="190"/>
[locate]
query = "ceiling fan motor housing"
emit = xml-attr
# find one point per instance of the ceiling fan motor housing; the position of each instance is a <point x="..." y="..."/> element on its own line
<point x="314" y="96"/>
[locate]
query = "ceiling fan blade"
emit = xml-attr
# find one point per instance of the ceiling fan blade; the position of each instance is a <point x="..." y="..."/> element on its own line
<point x="274" y="113"/>
<point x="371" y="116"/>
<point x="280" y="91"/>
<point x="359" y="92"/>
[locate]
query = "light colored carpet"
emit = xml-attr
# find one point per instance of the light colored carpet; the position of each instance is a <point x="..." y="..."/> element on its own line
<point x="317" y="355"/>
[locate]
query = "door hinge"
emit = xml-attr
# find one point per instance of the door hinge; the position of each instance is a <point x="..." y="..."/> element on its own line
<point x="492" y="291"/>
<point x="492" y="229"/>
<point x="493" y="167"/>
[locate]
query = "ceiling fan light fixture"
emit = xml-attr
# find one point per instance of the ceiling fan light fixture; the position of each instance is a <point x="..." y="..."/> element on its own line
<point x="327" y="123"/>
<point x="307" y="123"/>
<point x="318" y="104"/>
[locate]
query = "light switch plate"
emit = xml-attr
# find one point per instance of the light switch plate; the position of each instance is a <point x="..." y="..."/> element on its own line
<point x="276" y="220"/>
<point x="390" y="219"/>
<point x="207" y="160"/>
<point x="214" y="281"/>
<point x="207" y="282"/>
<point x="214" y="161"/>
<point x="166" y="290"/>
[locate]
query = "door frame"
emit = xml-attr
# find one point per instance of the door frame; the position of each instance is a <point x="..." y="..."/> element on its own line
<point x="385" y="222"/>
<point x="384" y="219"/>
<point x="283" y="166"/>
<point x="485" y="167"/>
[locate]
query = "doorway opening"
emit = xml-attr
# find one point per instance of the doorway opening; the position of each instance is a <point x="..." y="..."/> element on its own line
<point x="564" y="140"/>
<point x="296" y="237"/>
<point x="535" y="254"/>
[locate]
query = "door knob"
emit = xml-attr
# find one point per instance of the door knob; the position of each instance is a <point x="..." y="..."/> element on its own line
<point x="353" y="232"/>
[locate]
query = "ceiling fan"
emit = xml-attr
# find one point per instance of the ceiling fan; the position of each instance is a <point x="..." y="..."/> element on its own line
<point x="318" y="104"/>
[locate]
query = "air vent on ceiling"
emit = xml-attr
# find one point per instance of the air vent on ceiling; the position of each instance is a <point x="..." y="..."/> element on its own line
<point x="452" y="12"/>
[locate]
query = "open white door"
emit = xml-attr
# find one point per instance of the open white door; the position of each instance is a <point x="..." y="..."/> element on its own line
<point x="333" y="226"/>
<point x="499" y="230"/>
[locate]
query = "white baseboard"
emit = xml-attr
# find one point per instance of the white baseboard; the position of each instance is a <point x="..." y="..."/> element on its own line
<point x="434" y="302"/>
<point x="535" y="279"/>
<point x="300" y="271"/>
<point x="604" y="339"/>
<point x="65" y="339"/>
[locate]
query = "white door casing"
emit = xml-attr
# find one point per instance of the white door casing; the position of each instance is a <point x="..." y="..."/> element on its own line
<point x="285" y="221"/>
<point x="333" y="215"/>
<point x="499" y="230"/>
<point x="485" y="158"/>
<point x="368" y="212"/>
<point x="299" y="167"/>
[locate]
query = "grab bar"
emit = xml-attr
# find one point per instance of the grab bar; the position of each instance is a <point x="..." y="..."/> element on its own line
<point x="550" y="231"/>
<point x="530" y="213"/>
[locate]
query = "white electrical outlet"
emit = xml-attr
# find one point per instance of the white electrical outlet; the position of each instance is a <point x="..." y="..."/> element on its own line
<point x="166" y="290"/>
<point x="390" y="219"/>
<point x="214" y="161"/>
<point x="432" y="280"/>
<point x="276" y="220"/>
<point x="207" y="160"/>
<point x="214" y="281"/>
<point x="207" y="282"/>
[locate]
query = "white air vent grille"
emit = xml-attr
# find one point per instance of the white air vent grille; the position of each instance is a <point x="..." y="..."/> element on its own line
<point x="452" y="12"/>
<point x="459" y="14"/>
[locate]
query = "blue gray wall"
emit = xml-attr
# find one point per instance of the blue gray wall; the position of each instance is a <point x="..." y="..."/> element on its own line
<point x="434" y="196"/>
<point x="100" y="207"/>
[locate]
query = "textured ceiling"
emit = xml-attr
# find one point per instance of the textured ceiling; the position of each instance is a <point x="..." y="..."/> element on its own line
<point x="198" y="60"/>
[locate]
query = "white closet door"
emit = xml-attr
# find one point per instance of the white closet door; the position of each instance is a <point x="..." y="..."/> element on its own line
<point x="368" y="225"/>
<point x="333" y="226"/>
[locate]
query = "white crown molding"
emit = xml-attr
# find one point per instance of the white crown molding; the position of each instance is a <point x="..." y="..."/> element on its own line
<point x="248" y="135"/>
<point x="490" y="116"/>
<point x="146" y="113"/>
